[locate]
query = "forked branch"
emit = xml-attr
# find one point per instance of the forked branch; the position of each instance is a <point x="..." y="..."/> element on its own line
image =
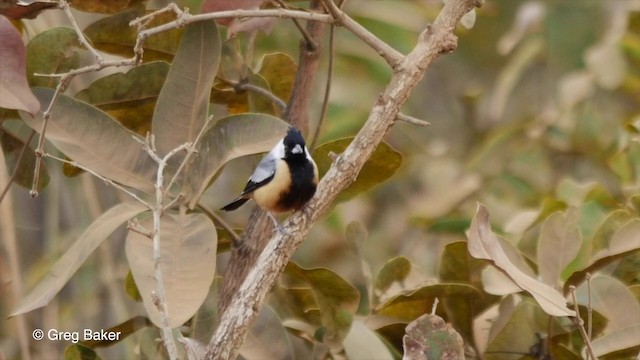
<point x="245" y="306"/>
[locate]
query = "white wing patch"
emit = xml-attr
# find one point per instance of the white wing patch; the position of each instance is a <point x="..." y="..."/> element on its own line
<point x="267" y="166"/>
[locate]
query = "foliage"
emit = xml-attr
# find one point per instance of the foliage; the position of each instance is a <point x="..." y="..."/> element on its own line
<point x="522" y="194"/>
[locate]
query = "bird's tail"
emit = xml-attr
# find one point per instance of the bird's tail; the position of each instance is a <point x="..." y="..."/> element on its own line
<point x="235" y="204"/>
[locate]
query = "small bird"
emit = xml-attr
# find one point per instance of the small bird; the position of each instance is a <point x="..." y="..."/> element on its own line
<point x="285" y="179"/>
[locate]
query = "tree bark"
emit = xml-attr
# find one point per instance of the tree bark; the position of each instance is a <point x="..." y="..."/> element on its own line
<point x="245" y="305"/>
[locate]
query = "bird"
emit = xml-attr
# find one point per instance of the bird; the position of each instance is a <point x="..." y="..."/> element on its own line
<point x="284" y="180"/>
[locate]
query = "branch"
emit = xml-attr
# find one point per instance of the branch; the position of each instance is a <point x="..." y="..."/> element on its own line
<point x="258" y="232"/>
<point x="390" y="55"/>
<point x="245" y="305"/>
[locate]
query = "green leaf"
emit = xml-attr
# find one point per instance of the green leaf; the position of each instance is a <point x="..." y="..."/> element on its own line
<point x="80" y="352"/>
<point x="114" y="35"/>
<point x="129" y="97"/>
<point x="230" y="138"/>
<point x="279" y="71"/>
<point x="407" y="306"/>
<point x="457" y="266"/>
<point x="183" y="103"/>
<point x="298" y="304"/>
<point x="95" y="140"/>
<point x="12" y="147"/>
<point x="69" y="263"/>
<point x="394" y="270"/>
<point x="383" y="163"/>
<point x="130" y="287"/>
<point x="257" y="102"/>
<point x="53" y="51"/>
<point x="516" y="329"/>
<point x="188" y="263"/>
<point x="337" y="300"/>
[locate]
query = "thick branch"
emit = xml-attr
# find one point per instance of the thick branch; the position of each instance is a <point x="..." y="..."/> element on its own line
<point x="245" y="306"/>
<point x="259" y="230"/>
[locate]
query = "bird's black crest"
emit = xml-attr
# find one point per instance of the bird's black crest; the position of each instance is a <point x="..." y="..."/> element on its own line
<point x="293" y="137"/>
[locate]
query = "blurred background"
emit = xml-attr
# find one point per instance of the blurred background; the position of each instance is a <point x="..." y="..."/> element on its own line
<point x="539" y="101"/>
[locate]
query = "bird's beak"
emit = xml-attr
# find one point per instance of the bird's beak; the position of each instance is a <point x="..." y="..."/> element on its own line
<point x="297" y="149"/>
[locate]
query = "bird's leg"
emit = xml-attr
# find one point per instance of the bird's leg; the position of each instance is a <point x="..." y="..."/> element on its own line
<point x="277" y="227"/>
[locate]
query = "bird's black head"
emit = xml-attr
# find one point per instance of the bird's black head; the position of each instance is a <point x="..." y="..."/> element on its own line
<point x="294" y="145"/>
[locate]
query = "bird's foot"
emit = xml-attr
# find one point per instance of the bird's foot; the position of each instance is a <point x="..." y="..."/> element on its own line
<point x="276" y="226"/>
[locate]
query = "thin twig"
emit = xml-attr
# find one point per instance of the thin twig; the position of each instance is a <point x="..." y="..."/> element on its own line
<point x="393" y="57"/>
<point x="159" y="297"/>
<point x="185" y="18"/>
<point x="39" y="152"/>
<point x="235" y="238"/>
<point x="589" y="307"/>
<point x="578" y="320"/>
<point x="263" y="92"/>
<point x="247" y="300"/>
<point x="64" y="5"/>
<point x="191" y="149"/>
<point x="305" y="34"/>
<point x="412" y="120"/>
<point x="14" y="174"/>
<point x="134" y="226"/>
<point x="106" y="180"/>
<point x="327" y="88"/>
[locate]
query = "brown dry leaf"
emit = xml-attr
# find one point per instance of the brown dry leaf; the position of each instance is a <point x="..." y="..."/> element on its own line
<point x="484" y="244"/>
<point x="14" y="89"/>
<point x="17" y="10"/>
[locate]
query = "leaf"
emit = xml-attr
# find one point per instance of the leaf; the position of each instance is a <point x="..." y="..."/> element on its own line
<point x="183" y="103"/>
<point x="69" y="263"/>
<point x="102" y="6"/>
<point x="14" y="89"/>
<point x="187" y="261"/>
<point x="483" y="244"/>
<point x="394" y="270"/>
<point x="123" y="329"/>
<point x="612" y="298"/>
<point x="230" y="138"/>
<point x="130" y="287"/>
<point x="131" y="97"/>
<point x="407" y="306"/>
<point x="517" y="327"/>
<point x="297" y="304"/>
<point x="383" y="163"/>
<point x="54" y="51"/>
<point x="93" y="139"/>
<point x="80" y="352"/>
<point x="559" y="244"/>
<point x="623" y="242"/>
<point x="114" y="35"/>
<point x="17" y="10"/>
<point x="258" y="103"/>
<point x="267" y="338"/>
<point x="457" y="266"/>
<point x="618" y="340"/>
<point x="12" y="147"/>
<point x="362" y="343"/>
<point x="279" y="71"/>
<point x="429" y="337"/>
<point x="337" y="300"/>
